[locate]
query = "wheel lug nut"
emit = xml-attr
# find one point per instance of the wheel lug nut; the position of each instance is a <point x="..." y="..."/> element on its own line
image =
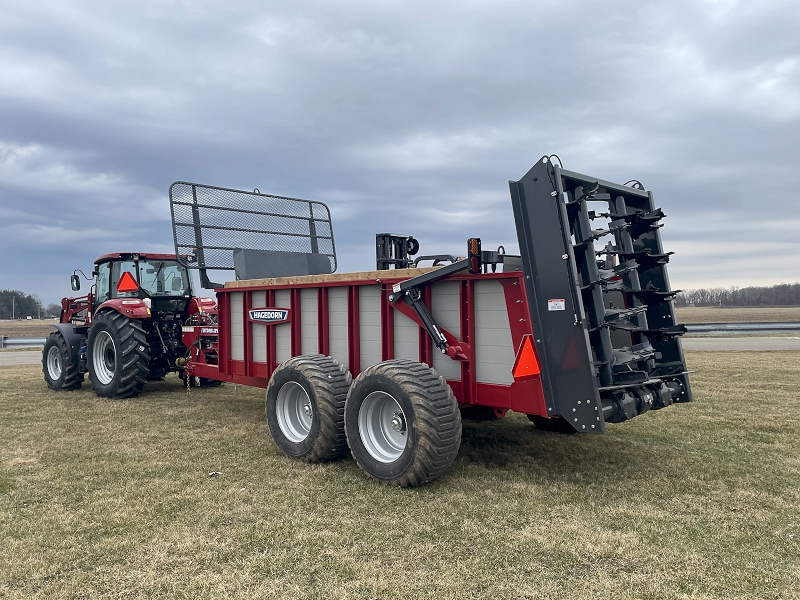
<point x="397" y="422"/>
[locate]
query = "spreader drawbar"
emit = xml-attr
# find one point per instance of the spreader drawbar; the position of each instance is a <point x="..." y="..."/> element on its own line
<point x="602" y="314"/>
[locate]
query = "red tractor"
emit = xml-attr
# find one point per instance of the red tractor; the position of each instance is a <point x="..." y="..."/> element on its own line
<point x="128" y="329"/>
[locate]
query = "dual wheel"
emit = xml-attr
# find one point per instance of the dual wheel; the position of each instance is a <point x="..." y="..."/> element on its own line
<point x="399" y="418"/>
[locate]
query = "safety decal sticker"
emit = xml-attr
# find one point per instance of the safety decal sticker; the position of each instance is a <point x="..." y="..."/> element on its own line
<point x="556" y="304"/>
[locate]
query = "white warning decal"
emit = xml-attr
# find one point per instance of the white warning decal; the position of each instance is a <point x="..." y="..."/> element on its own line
<point x="556" y="304"/>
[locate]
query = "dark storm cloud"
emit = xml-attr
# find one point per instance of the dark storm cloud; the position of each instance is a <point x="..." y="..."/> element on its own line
<point x="402" y="116"/>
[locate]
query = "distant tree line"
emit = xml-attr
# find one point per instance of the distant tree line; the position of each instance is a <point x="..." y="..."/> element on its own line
<point x="19" y="305"/>
<point x="784" y="294"/>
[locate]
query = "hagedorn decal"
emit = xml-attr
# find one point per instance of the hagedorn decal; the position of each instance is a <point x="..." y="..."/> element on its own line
<point x="269" y="315"/>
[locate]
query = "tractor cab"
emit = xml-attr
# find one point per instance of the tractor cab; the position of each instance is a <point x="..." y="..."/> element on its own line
<point x="128" y="328"/>
<point x="160" y="281"/>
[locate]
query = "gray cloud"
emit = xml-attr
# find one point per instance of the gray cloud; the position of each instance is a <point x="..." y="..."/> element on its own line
<point x="402" y="116"/>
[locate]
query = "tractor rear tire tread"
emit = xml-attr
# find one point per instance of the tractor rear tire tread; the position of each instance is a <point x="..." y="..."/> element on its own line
<point x="133" y="355"/>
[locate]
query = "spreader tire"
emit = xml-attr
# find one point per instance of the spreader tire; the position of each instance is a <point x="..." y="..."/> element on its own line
<point x="118" y="354"/>
<point x="305" y="407"/>
<point x="552" y="424"/>
<point x="402" y="423"/>
<point x="60" y="372"/>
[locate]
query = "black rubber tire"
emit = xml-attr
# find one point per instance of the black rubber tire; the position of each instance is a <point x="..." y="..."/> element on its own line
<point x="69" y="378"/>
<point x="432" y="422"/>
<point x="325" y="381"/>
<point x="552" y="424"/>
<point x="129" y="359"/>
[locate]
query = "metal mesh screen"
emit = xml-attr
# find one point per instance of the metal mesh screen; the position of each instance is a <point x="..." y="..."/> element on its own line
<point x="209" y="222"/>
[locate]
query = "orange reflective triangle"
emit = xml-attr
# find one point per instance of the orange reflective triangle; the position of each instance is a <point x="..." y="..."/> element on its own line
<point x="526" y="365"/>
<point x="127" y="283"/>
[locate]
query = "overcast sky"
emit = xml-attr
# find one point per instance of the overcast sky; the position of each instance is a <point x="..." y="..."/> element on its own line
<point x="402" y="116"/>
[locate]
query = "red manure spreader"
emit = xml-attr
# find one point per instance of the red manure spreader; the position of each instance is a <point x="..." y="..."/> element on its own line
<point x="576" y="331"/>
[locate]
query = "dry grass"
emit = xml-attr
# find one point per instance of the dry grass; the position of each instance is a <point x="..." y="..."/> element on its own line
<point x="105" y="499"/>
<point x="738" y="314"/>
<point x="25" y="328"/>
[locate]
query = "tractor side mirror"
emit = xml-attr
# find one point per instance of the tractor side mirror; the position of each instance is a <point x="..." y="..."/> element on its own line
<point x="75" y="282"/>
<point x="177" y="284"/>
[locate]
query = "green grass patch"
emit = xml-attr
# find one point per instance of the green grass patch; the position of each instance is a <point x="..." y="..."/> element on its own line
<point x="113" y="499"/>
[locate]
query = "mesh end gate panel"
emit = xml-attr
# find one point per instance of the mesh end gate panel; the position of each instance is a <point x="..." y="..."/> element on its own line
<point x="616" y="296"/>
<point x="209" y="223"/>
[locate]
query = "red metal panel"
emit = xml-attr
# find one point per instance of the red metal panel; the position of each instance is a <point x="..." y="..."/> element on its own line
<point x="425" y="342"/>
<point x="323" y="322"/>
<point x="223" y="300"/>
<point x="468" y="307"/>
<point x="517" y="307"/>
<point x="247" y="331"/>
<point x="271" y="347"/>
<point x="387" y="325"/>
<point x="259" y="370"/>
<point x="353" y="331"/>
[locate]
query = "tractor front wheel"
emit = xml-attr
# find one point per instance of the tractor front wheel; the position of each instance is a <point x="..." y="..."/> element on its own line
<point x="60" y="372"/>
<point x="402" y="423"/>
<point x="119" y="355"/>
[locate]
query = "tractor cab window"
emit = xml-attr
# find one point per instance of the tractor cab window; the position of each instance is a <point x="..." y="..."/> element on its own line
<point x="103" y="282"/>
<point x="163" y="278"/>
<point x="121" y="267"/>
<point x="156" y="277"/>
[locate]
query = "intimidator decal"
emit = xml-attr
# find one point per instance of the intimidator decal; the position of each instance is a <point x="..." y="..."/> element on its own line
<point x="269" y="315"/>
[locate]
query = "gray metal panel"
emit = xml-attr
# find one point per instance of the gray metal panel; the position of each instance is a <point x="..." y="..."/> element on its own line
<point x="562" y="341"/>
<point x="262" y="264"/>
<point x="237" y="325"/>
<point x="406" y="337"/>
<point x="309" y="332"/>
<point x="446" y="311"/>
<point x="369" y="323"/>
<point x="259" y="330"/>
<point x="283" y="332"/>
<point x="494" y="348"/>
<point x="337" y="324"/>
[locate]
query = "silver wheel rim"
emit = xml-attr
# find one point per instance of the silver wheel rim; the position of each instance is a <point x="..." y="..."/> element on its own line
<point x="104" y="357"/>
<point x="294" y="411"/>
<point x="382" y="427"/>
<point x="54" y="366"/>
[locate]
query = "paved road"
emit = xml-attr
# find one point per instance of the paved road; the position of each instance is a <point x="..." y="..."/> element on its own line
<point x="23" y="357"/>
<point x="34" y="357"/>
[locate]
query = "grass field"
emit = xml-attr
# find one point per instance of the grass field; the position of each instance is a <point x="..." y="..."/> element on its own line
<point x="738" y="314"/>
<point x="113" y="499"/>
<point x="32" y="328"/>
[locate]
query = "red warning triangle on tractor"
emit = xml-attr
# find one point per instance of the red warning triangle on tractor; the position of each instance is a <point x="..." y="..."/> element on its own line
<point x="127" y="283"/>
<point x="526" y="365"/>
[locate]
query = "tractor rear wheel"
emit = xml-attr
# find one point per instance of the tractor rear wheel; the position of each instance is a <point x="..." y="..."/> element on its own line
<point x="60" y="372"/>
<point x="119" y="355"/>
<point x="305" y="407"/>
<point x="402" y="423"/>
